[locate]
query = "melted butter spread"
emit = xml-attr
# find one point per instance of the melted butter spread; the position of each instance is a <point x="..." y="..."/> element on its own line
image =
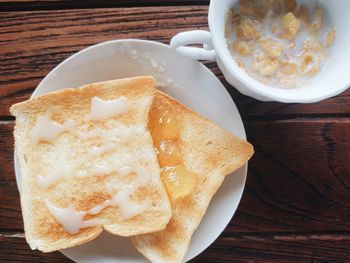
<point x="59" y="170"/>
<point x="101" y="110"/>
<point x="166" y="131"/>
<point x="72" y="220"/>
<point x="47" y="130"/>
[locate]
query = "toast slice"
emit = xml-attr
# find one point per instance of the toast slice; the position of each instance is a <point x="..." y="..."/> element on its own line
<point x="202" y="154"/>
<point x="88" y="163"/>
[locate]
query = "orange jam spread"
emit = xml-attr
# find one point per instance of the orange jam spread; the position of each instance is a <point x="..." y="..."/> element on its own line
<point x="168" y="153"/>
<point x="178" y="181"/>
<point x="164" y="125"/>
<point x="165" y="129"/>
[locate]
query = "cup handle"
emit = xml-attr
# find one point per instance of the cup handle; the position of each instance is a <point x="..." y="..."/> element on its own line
<point x="179" y="42"/>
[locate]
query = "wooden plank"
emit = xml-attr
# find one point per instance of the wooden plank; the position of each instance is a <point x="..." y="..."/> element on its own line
<point x="297" y="182"/>
<point x="298" y="178"/>
<point x="10" y="209"/>
<point x="14" y="248"/>
<point x="32" y="43"/>
<point x="111" y="2"/>
<point x="11" y="5"/>
<point x="282" y="249"/>
<point x="337" y="106"/>
<point x="192" y="2"/>
<point x="238" y="248"/>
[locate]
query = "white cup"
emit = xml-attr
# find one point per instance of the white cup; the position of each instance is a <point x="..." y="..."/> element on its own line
<point x="333" y="79"/>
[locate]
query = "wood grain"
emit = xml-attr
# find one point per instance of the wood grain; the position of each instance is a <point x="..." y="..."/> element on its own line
<point x="237" y="248"/>
<point x="296" y="205"/>
<point x="14" y="248"/>
<point x="303" y="189"/>
<point x="278" y="248"/>
<point x="338" y="106"/>
<point x="298" y="178"/>
<point x="32" y="43"/>
<point x="111" y="2"/>
<point x="18" y="5"/>
<point x="10" y="209"/>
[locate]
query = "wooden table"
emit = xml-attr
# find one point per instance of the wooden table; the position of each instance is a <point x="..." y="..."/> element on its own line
<point x="296" y="204"/>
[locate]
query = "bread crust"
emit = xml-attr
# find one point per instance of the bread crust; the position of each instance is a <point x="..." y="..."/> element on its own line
<point x="211" y="153"/>
<point x="42" y="230"/>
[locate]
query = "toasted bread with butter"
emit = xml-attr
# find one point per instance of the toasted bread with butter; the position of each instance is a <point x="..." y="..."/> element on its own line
<point x="202" y="154"/>
<point x="87" y="163"/>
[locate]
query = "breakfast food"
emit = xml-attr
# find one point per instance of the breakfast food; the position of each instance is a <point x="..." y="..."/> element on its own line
<point x="195" y="155"/>
<point x="279" y="42"/>
<point x="121" y="156"/>
<point x="87" y="162"/>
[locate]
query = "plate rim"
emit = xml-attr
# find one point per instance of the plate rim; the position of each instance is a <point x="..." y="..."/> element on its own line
<point x="242" y="136"/>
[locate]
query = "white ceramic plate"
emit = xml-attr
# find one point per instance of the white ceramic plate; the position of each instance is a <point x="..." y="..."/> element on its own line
<point x="186" y="80"/>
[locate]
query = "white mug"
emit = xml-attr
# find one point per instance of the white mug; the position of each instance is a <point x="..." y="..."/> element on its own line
<point x="333" y="79"/>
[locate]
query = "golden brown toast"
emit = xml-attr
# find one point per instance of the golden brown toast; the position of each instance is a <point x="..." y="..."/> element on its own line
<point x="205" y="154"/>
<point x="84" y="170"/>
